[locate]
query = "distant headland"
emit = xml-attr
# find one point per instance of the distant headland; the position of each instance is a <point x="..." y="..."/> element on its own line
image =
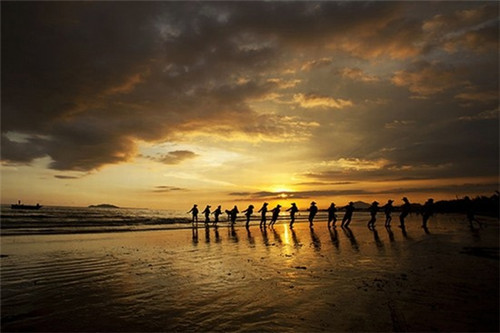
<point x="103" y="206"/>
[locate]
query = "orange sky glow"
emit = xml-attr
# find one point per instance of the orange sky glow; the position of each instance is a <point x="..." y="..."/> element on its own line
<point x="166" y="104"/>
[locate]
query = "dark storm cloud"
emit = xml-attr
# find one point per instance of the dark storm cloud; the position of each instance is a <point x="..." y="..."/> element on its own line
<point x="84" y="81"/>
<point x="167" y="189"/>
<point x="175" y="157"/>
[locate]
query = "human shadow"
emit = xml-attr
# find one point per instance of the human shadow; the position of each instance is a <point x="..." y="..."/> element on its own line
<point x="296" y="241"/>
<point x="350" y="235"/>
<point x="233" y="235"/>
<point x="277" y="236"/>
<point x="316" y="243"/>
<point x="378" y="241"/>
<point x="217" y="236"/>
<point x="207" y="234"/>
<point x="194" y="233"/>
<point x="334" y="236"/>
<point x="390" y="233"/>
<point x="265" y="238"/>
<point x="251" y="239"/>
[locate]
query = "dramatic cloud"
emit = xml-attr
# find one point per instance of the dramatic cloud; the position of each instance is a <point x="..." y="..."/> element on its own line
<point x="335" y="91"/>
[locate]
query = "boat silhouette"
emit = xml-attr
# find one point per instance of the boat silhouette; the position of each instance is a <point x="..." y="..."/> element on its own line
<point x="23" y="206"/>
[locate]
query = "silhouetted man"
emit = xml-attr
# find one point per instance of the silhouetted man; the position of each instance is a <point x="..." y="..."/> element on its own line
<point x="194" y="212"/>
<point x="427" y="212"/>
<point x="373" y="209"/>
<point x="405" y="210"/>
<point x="248" y="212"/>
<point x="276" y="213"/>
<point x="292" y="211"/>
<point x="263" y="212"/>
<point x="216" y="213"/>
<point x="312" y="213"/>
<point x="388" y="208"/>
<point x="207" y="214"/>
<point x="346" y="220"/>
<point x="332" y="217"/>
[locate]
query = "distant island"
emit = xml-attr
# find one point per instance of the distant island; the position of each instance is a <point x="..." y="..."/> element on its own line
<point x="103" y="206"/>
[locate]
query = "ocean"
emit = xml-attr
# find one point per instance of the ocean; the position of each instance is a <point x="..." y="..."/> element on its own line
<point x="65" y="220"/>
<point x="68" y="220"/>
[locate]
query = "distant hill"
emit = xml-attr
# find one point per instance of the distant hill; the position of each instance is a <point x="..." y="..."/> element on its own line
<point x="103" y="206"/>
<point x="361" y="205"/>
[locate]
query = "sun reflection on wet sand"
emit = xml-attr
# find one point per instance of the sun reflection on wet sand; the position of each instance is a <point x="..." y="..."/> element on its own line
<point x="234" y="279"/>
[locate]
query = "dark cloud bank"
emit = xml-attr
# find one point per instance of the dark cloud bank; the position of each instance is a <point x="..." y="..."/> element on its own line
<point x="83" y="81"/>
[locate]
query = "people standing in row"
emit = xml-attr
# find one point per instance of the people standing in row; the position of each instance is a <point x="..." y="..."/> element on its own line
<point x="292" y="211"/>
<point x="194" y="212"/>
<point x="388" y="208"/>
<point x="427" y="212"/>
<point x="248" y="212"/>
<point x="263" y="212"/>
<point x="216" y="213"/>
<point x="234" y="214"/>
<point x="207" y="214"/>
<point x="312" y="213"/>
<point x="405" y="210"/>
<point x="373" y="209"/>
<point x="276" y="213"/>
<point x="346" y="220"/>
<point x="332" y="217"/>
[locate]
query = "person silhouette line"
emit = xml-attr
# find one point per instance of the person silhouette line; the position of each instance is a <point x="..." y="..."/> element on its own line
<point x="234" y="214"/>
<point x="207" y="214"/>
<point x="470" y="213"/>
<point x="388" y="208"/>
<point x="263" y="212"/>
<point x="346" y="220"/>
<point x="373" y="209"/>
<point x="194" y="212"/>
<point x="332" y="217"/>
<point x="217" y="212"/>
<point x="313" y="209"/>
<point x="292" y="211"/>
<point x="276" y="213"/>
<point x="427" y="212"/>
<point x="248" y="212"/>
<point x="405" y="210"/>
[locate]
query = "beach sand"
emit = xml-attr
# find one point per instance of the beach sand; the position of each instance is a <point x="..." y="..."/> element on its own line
<point x="274" y="281"/>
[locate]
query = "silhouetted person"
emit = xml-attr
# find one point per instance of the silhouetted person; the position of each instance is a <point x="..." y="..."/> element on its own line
<point x="263" y="212"/>
<point x="388" y="208"/>
<point x="312" y="213"/>
<point x="427" y="212"/>
<point x="228" y="213"/>
<point x="248" y="212"/>
<point x="194" y="212"/>
<point x="405" y="210"/>
<point x="276" y="214"/>
<point x="216" y="213"/>
<point x="207" y="214"/>
<point x="346" y="220"/>
<point x="332" y="217"/>
<point x="373" y="209"/>
<point x="234" y="214"/>
<point x="470" y="212"/>
<point x="292" y="211"/>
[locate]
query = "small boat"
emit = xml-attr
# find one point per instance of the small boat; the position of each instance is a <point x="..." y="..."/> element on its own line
<point x="23" y="206"/>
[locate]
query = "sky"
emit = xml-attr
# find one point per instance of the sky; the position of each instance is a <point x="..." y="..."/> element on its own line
<point x="166" y="104"/>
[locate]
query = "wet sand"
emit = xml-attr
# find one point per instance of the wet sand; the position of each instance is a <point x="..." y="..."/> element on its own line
<point x="275" y="281"/>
